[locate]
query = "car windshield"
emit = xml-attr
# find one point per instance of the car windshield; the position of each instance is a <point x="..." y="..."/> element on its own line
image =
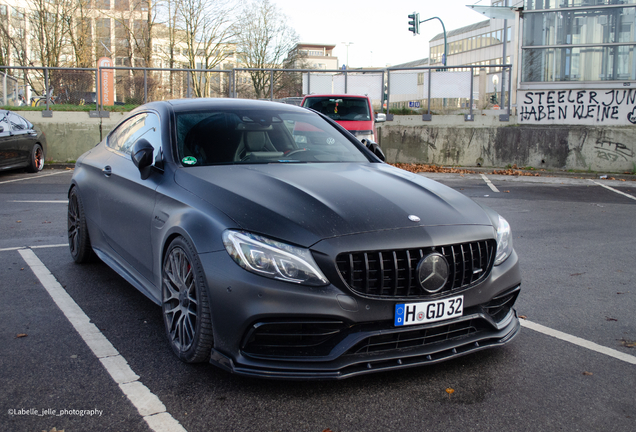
<point x="263" y="136"/>
<point x="340" y="108"/>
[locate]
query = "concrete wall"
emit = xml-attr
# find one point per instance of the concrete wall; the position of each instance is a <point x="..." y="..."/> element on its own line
<point x="69" y="134"/>
<point x="446" y="140"/>
<point x="449" y="140"/>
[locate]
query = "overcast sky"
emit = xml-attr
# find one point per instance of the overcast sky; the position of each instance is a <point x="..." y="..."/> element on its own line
<point x="377" y="28"/>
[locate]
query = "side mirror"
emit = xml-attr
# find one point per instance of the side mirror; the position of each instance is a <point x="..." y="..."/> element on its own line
<point x="141" y="154"/>
<point x="375" y="148"/>
<point x="380" y="117"/>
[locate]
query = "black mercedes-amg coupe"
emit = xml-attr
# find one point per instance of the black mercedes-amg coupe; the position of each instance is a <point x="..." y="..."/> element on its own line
<point x="278" y="245"/>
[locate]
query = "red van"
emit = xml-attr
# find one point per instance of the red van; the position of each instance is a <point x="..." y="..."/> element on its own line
<point x="353" y="112"/>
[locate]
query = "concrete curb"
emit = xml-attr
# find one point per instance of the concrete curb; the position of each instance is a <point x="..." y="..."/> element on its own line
<point x="548" y="173"/>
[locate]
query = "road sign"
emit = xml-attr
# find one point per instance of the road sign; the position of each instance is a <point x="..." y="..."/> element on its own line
<point x="414" y="104"/>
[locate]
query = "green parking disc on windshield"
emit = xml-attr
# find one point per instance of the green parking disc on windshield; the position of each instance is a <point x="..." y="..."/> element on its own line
<point x="189" y="160"/>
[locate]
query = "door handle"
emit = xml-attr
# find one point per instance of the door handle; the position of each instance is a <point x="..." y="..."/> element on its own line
<point x="107" y="171"/>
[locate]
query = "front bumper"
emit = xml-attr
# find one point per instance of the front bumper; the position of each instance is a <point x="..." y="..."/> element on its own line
<point x="364" y="338"/>
<point x="349" y="365"/>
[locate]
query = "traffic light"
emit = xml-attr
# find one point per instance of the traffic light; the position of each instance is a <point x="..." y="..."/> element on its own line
<point x="493" y="99"/>
<point x="414" y="23"/>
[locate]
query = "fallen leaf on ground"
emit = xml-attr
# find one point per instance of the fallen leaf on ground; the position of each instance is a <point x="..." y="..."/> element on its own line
<point x="513" y="172"/>
<point x="588" y="373"/>
<point x="523" y="317"/>
<point x="21" y="335"/>
<point x="610" y="319"/>
<point x="450" y="391"/>
<point x="18" y="221"/>
<point x="417" y="168"/>
<point x="577" y="274"/>
<point x="627" y="343"/>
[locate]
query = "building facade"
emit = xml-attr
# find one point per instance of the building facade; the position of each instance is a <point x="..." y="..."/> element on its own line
<point x="577" y="62"/>
<point x="316" y="56"/>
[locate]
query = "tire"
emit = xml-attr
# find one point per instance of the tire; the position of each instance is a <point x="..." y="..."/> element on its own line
<point x="36" y="159"/>
<point x="78" y="241"/>
<point x="185" y="306"/>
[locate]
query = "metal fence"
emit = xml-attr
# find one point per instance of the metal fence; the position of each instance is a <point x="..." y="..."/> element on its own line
<point x="424" y="90"/>
<point x="449" y="90"/>
<point x="8" y="89"/>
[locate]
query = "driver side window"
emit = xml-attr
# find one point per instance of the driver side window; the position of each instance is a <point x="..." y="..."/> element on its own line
<point x="144" y="125"/>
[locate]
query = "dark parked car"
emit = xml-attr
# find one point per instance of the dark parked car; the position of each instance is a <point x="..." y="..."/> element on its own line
<point x="22" y="145"/>
<point x="278" y="245"/>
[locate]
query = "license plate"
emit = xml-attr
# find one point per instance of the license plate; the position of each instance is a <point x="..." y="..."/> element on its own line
<point x="426" y="312"/>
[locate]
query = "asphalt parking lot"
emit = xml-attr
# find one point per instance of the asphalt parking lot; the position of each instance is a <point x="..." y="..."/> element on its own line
<point x="572" y="367"/>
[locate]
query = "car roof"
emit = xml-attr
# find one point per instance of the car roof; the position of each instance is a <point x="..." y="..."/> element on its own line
<point x="179" y="105"/>
<point x="338" y="95"/>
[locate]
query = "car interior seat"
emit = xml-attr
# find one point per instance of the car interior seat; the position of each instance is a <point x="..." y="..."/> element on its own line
<point x="213" y="140"/>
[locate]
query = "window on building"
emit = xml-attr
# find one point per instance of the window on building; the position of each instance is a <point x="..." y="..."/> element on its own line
<point x="102" y="30"/>
<point x="140" y="5"/>
<point x="122" y="5"/>
<point x="17" y="14"/>
<point x="102" y="4"/>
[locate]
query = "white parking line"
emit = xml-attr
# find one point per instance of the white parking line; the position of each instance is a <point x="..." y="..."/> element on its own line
<point x="41" y="202"/>
<point x="613" y="190"/>
<point x="37" y="176"/>
<point x="489" y="183"/>
<point x="579" y="341"/>
<point x="148" y="404"/>
<point x="33" y="247"/>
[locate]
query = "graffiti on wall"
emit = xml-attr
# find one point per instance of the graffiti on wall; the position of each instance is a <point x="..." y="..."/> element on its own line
<point x="607" y="107"/>
<point x="613" y="151"/>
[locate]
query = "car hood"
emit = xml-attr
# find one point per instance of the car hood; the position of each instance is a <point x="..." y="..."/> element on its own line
<point x="305" y="203"/>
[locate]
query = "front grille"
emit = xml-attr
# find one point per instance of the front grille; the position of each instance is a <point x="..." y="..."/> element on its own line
<point x="419" y="337"/>
<point x="392" y="273"/>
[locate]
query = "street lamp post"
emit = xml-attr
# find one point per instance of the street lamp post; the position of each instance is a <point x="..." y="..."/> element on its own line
<point x="347" y="45"/>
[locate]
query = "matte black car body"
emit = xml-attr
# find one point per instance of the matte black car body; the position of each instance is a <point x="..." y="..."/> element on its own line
<point x="368" y="227"/>
<point x="22" y="145"/>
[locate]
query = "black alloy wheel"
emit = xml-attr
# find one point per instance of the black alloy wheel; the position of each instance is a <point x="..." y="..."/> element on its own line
<point x="36" y="159"/>
<point x="186" y="310"/>
<point x="78" y="240"/>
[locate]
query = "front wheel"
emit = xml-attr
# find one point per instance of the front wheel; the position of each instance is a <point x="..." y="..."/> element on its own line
<point x="185" y="306"/>
<point x="78" y="240"/>
<point x="36" y="159"/>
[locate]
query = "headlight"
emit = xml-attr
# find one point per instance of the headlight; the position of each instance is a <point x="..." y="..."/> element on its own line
<point x="504" y="241"/>
<point x="273" y="259"/>
<point x="364" y="134"/>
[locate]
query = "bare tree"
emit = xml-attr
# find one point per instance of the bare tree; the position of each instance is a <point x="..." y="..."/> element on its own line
<point x="207" y="29"/>
<point x="265" y="41"/>
<point x="81" y="35"/>
<point x="49" y="25"/>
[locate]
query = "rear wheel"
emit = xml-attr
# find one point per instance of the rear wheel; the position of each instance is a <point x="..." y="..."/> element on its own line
<point x="36" y="159"/>
<point x="78" y="241"/>
<point x="185" y="306"/>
